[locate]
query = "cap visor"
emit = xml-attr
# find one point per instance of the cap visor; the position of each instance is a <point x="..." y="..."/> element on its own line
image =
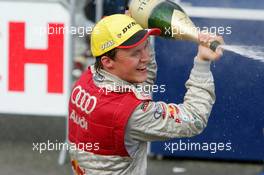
<point x="139" y="38"/>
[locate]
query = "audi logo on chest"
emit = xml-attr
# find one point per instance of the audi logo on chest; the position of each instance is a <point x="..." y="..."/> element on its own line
<point x="83" y="100"/>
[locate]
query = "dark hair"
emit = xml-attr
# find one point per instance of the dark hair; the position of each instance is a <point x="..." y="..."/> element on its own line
<point x="98" y="63"/>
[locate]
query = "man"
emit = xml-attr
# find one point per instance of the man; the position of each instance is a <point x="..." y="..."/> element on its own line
<point x="111" y="119"/>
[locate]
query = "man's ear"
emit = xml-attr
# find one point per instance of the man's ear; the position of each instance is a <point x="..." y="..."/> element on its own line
<point x="107" y="62"/>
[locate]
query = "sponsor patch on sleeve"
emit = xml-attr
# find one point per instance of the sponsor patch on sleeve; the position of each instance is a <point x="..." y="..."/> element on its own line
<point x="160" y="110"/>
<point x="174" y="113"/>
<point x="145" y="105"/>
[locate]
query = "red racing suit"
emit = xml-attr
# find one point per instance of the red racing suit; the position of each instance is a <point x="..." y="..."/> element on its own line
<point x="116" y="119"/>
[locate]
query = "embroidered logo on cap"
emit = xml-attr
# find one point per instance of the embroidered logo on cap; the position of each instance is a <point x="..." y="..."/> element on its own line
<point x="129" y="26"/>
<point x="107" y="44"/>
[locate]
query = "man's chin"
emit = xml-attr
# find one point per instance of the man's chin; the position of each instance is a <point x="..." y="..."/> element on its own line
<point x="140" y="80"/>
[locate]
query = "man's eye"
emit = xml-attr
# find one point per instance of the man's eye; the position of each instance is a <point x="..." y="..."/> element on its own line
<point x="135" y="54"/>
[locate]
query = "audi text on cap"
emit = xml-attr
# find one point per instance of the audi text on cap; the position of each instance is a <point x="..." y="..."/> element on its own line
<point x="119" y="31"/>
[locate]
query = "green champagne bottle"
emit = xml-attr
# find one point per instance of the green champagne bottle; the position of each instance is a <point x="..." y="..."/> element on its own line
<point x="169" y="17"/>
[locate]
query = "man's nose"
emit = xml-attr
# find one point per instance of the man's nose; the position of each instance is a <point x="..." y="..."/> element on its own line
<point x="145" y="56"/>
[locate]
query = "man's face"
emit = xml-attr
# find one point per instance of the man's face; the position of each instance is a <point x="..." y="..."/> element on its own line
<point x="131" y="64"/>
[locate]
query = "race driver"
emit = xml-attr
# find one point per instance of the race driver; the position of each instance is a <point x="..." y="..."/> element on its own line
<point x="111" y="119"/>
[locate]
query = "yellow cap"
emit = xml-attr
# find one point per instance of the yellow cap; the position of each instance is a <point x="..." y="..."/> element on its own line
<point x="112" y="31"/>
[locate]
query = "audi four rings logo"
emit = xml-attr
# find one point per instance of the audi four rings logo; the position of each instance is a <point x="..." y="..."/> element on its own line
<point x="83" y="100"/>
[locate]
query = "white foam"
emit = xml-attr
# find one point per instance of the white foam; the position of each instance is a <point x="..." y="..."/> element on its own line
<point x="254" y="52"/>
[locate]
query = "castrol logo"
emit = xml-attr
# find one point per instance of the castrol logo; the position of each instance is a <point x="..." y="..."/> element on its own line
<point x="83" y="100"/>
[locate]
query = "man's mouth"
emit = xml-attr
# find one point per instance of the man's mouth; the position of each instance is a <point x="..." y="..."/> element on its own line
<point x="142" y="69"/>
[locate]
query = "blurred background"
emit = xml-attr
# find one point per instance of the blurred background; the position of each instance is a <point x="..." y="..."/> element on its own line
<point x="44" y="47"/>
